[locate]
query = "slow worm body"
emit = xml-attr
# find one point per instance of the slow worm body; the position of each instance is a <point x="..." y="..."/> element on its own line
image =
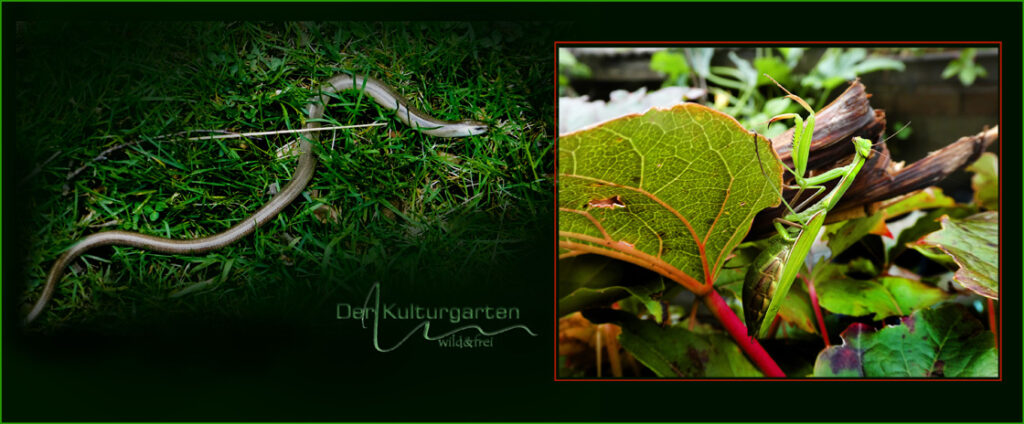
<point x="380" y="92"/>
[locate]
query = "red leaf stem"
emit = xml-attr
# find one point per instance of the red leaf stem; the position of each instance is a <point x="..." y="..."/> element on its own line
<point x="992" y="320"/>
<point x="738" y="331"/>
<point x="817" y="308"/>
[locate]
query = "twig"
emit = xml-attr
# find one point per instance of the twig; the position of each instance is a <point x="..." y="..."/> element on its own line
<point x="103" y="154"/>
<point x="303" y="130"/>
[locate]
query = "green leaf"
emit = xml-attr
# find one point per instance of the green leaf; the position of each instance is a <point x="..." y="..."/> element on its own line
<point x="952" y="68"/>
<point x="856" y="298"/>
<point x="931" y="197"/>
<point x="967" y="75"/>
<point x="671" y="63"/>
<point x="700" y="60"/>
<point x="844" y="360"/>
<point x="942" y="342"/>
<point x="965" y="67"/>
<point x="985" y="181"/>
<point x="883" y="297"/>
<point x="773" y="66"/>
<point x="829" y="83"/>
<point x="904" y="130"/>
<point x="850" y="232"/>
<point x="797" y="310"/>
<point x="730" y="282"/>
<point x="592" y="281"/>
<point x="973" y="243"/>
<point x="776" y="106"/>
<point x="746" y="73"/>
<point x="838" y="65"/>
<point x="912" y="295"/>
<point x="861" y="266"/>
<point x="792" y="55"/>
<point x="874" y="64"/>
<point x="924" y="226"/>
<point x="569" y="66"/>
<point x="676" y="351"/>
<point x="681" y="185"/>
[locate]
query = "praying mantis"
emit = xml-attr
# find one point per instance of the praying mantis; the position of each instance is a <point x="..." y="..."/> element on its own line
<point x="773" y="271"/>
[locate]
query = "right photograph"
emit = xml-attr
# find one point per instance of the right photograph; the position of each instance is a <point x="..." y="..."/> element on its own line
<point x="778" y="211"/>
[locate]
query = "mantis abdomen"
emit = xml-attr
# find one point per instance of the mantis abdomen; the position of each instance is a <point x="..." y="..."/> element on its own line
<point x="761" y="282"/>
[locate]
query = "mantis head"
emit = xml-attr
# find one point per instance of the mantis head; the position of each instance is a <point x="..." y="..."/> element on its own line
<point x="862" y="146"/>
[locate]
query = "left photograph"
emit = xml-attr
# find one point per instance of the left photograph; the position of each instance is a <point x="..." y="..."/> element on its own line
<point x="236" y="169"/>
<point x="290" y="218"/>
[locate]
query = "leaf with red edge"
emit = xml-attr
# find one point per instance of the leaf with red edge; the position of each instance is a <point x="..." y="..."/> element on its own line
<point x="924" y="225"/>
<point x="973" y="243"/>
<point x="677" y="188"/>
<point x="942" y="342"/>
<point x="985" y="181"/>
<point x="926" y="198"/>
<point x="845" y="360"/>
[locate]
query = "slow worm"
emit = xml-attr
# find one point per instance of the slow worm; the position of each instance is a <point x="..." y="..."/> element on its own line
<point x="380" y="92"/>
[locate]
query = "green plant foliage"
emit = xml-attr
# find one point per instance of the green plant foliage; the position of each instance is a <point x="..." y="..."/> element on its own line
<point x="837" y="66"/>
<point x="850" y="232"/>
<point x="700" y="60"/>
<point x="931" y="197"/>
<point x="904" y="130"/>
<point x="792" y="55"/>
<point x="985" y="181"/>
<point x="406" y="206"/>
<point x="675" y="351"/>
<point x="682" y="185"/>
<point x="796" y="309"/>
<point x="674" y="187"/>
<point x="672" y="64"/>
<point x="965" y="67"/>
<point x="775" y="67"/>
<point x="973" y="243"/>
<point x="925" y="225"/>
<point x="942" y="342"/>
<point x="591" y="281"/>
<point x="569" y="67"/>
<point x="883" y="297"/>
<point x="729" y="285"/>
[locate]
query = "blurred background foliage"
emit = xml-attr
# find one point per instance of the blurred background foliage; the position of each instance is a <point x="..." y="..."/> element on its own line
<point x="942" y="93"/>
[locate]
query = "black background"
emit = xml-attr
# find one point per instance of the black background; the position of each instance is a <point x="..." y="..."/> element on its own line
<point x="270" y="371"/>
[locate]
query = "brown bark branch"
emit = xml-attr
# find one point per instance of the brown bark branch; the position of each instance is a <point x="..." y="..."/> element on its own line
<point x="851" y="115"/>
<point x="884" y="183"/>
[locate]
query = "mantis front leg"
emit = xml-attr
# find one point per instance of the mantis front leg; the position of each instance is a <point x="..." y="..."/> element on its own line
<point x="803" y="135"/>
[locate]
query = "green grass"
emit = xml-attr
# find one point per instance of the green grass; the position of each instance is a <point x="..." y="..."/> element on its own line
<point x="410" y="208"/>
